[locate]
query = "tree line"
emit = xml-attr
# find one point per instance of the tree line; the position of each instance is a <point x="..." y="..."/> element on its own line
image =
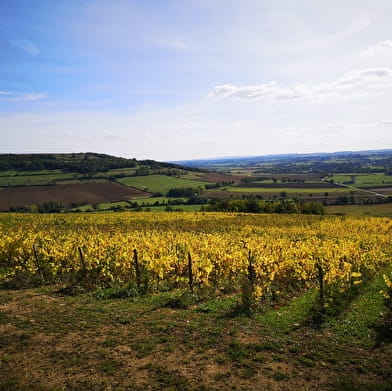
<point x="259" y="206"/>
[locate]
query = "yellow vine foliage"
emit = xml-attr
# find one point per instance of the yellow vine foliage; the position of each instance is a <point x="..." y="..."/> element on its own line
<point x="283" y="250"/>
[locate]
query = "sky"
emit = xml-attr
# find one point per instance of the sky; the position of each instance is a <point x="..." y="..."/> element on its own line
<point x="186" y="79"/>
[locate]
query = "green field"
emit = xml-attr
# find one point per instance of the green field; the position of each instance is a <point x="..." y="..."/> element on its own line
<point x="185" y="208"/>
<point x="118" y="171"/>
<point x="304" y="191"/>
<point x="74" y="181"/>
<point x="159" y="183"/>
<point x="36" y="179"/>
<point x="366" y="180"/>
<point x="143" y="202"/>
<point x="369" y="210"/>
<point x="28" y="173"/>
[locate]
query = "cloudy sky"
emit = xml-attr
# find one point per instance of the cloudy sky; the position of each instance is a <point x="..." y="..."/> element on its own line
<point x="184" y="79"/>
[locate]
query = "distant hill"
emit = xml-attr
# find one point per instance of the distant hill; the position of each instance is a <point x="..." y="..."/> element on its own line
<point x="93" y="181"/>
<point x="85" y="163"/>
<point x="53" y="182"/>
<point x="323" y="162"/>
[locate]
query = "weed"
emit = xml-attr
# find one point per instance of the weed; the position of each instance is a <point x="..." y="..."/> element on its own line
<point x="183" y="301"/>
<point x="279" y="376"/>
<point x="347" y="383"/>
<point x="143" y="347"/>
<point x="169" y="379"/>
<point x="248" y="373"/>
<point x="121" y="292"/>
<point x="259" y="358"/>
<point x="294" y="349"/>
<point x="109" y="366"/>
<point x="238" y="351"/>
<point x="109" y="343"/>
<point x="307" y="362"/>
<point x="271" y="346"/>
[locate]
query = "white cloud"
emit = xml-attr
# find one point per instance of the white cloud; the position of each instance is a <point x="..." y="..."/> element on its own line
<point x="175" y="43"/>
<point x="356" y="82"/>
<point x="387" y="122"/>
<point x="380" y="47"/>
<point x="32" y="96"/>
<point x="25" y="45"/>
<point x="16" y="96"/>
<point x="352" y="125"/>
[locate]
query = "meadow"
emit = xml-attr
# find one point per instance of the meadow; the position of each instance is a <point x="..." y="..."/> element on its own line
<point x="160" y="183"/>
<point x="35" y="179"/>
<point x="296" y="190"/>
<point x="365" y="180"/>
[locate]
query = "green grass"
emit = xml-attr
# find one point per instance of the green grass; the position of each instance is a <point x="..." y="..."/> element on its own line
<point x="185" y="208"/>
<point x="35" y="179"/>
<point x="291" y="190"/>
<point x="118" y="171"/>
<point x="28" y="173"/>
<point x="144" y="202"/>
<point x="357" y="324"/>
<point x="152" y="200"/>
<point x="379" y="210"/>
<point x="53" y="342"/>
<point x="159" y="183"/>
<point x="365" y="180"/>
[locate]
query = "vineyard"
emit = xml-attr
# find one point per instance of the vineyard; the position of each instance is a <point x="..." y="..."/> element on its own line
<point x="275" y="256"/>
<point x="194" y="301"/>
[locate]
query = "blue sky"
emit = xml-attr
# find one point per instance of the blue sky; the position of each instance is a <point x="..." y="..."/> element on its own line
<point x="183" y="79"/>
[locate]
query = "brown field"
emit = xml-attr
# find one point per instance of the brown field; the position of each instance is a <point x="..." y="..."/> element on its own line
<point x="216" y="177"/>
<point x="67" y="195"/>
<point x="386" y="190"/>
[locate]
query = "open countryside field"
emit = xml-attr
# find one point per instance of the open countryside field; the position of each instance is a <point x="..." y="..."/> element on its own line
<point x="382" y="190"/>
<point x="212" y="177"/>
<point x="358" y="210"/>
<point x="28" y="173"/>
<point x="89" y="193"/>
<point x="292" y="190"/>
<point x="141" y="201"/>
<point x="306" y="195"/>
<point x="36" y="179"/>
<point x="107" y="320"/>
<point x="364" y="180"/>
<point x="272" y="185"/>
<point x="160" y="183"/>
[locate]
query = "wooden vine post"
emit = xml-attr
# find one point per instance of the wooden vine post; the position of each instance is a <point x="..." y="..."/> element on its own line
<point x="321" y="285"/>
<point x="137" y="268"/>
<point x="251" y="270"/>
<point x="38" y="264"/>
<point x="83" y="264"/>
<point x="190" y="275"/>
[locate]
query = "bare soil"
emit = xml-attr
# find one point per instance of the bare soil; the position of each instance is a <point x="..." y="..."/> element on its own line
<point x="215" y="177"/>
<point x="67" y="195"/>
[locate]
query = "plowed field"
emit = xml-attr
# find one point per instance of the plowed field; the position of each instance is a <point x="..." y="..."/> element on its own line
<point x="67" y="194"/>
